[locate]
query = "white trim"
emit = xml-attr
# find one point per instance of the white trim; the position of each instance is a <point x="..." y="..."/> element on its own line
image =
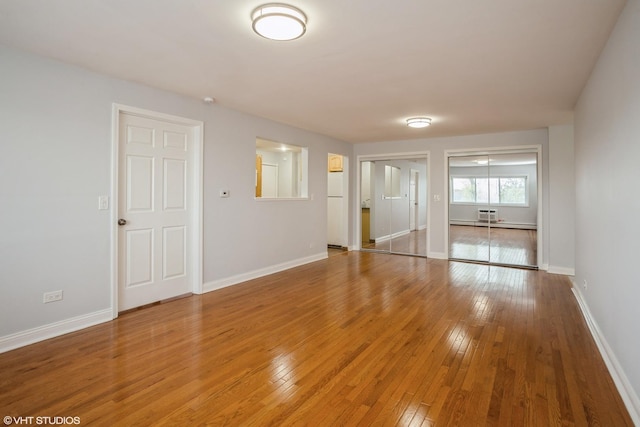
<point x="516" y="225"/>
<point x="628" y="394"/>
<point x="429" y="207"/>
<point x="346" y="198"/>
<point x="196" y="196"/>
<point x="561" y="270"/>
<point x="243" y="277"/>
<point x="437" y="255"/>
<point x="445" y="198"/>
<point x="392" y="236"/>
<point x="41" y="333"/>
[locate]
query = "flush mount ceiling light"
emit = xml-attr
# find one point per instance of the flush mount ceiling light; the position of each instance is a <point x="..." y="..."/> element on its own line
<point x="278" y="21"/>
<point x="418" y="122"/>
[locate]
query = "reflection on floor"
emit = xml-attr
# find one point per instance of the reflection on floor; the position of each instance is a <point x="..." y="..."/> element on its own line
<point x="331" y="251"/>
<point x="414" y="243"/>
<point x="508" y="246"/>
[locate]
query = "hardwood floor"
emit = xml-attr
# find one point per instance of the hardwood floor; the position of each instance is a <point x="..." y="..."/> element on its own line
<point x="356" y="339"/>
<point x="502" y="246"/>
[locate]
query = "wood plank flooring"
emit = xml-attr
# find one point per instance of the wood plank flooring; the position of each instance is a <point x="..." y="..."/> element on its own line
<point x="502" y="246"/>
<point x="357" y="339"/>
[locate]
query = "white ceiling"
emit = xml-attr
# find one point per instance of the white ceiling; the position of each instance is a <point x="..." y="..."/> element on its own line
<point x="362" y="67"/>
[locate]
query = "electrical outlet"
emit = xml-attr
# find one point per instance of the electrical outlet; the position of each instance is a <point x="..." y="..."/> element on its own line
<point x="584" y="284"/>
<point x="48" y="297"/>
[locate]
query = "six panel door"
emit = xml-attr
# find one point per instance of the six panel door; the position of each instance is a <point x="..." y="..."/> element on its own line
<point x="153" y="190"/>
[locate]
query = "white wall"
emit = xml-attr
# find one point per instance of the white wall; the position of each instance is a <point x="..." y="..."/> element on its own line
<point x="55" y="160"/>
<point x="437" y="171"/>
<point x="607" y="152"/>
<point x="562" y="200"/>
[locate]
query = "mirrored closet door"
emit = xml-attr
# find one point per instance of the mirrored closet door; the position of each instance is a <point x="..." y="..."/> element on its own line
<point x="493" y="208"/>
<point x="393" y="206"/>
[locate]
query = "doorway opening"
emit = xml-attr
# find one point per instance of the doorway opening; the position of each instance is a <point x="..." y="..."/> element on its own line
<point x="337" y="202"/>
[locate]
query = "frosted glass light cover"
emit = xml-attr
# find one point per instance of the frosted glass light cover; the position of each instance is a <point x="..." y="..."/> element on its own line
<point x="279" y="22"/>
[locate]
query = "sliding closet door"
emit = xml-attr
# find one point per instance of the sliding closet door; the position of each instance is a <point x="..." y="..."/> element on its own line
<point x="470" y="212"/>
<point x="513" y="200"/>
<point x="393" y="205"/>
<point x="493" y="208"/>
<point x="375" y="208"/>
<point x="409" y="206"/>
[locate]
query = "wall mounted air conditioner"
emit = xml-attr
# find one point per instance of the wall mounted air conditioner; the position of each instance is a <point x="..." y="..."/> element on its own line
<point x="487" y="215"/>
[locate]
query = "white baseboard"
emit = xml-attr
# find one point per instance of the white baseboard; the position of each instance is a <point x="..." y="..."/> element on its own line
<point x="474" y="223"/>
<point x="392" y="236"/>
<point x="438" y="255"/>
<point x="41" y="333"/>
<point x="561" y="270"/>
<point x="239" y="278"/>
<point x="628" y="394"/>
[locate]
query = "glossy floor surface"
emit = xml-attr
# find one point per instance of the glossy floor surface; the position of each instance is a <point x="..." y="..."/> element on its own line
<point x="412" y="243"/>
<point x="496" y="245"/>
<point x="357" y="339"/>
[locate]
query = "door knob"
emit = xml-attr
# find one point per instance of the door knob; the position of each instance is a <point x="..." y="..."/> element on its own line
<point x="122" y="221"/>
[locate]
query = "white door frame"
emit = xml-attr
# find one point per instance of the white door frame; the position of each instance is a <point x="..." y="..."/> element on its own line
<point x="195" y="196"/>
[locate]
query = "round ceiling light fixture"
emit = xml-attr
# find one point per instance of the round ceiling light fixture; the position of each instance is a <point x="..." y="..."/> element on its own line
<point x="278" y="21"/>
<point x="418" y="122"/>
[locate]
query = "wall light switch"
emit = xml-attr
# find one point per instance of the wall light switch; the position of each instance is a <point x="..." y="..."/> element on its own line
<point x="224" y="193"/>
<point x="103" y="203"/>
<point x="436" y="197"/>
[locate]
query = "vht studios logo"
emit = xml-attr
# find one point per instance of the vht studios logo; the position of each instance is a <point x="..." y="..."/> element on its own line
<point x="46" y="421"/>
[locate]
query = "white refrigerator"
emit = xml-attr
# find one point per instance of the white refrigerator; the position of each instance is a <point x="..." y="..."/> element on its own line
<point x="335" y="209"/>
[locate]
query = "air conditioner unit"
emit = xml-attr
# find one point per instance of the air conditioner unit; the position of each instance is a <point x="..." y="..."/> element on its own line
<point x="487" y="215"/>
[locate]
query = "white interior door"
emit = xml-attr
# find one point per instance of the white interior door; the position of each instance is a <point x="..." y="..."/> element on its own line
<point x="154" y="182"/>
